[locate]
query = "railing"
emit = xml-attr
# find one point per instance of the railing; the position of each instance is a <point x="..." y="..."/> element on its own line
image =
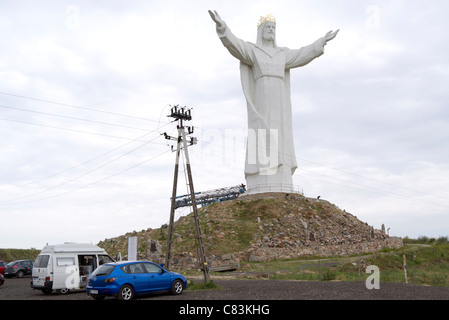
<point x="282" y="188"/>
<point x="207" y="197"/>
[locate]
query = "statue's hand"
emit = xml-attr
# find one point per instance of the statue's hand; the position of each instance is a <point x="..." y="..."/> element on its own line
<point x="330" y="35"/>
<point x="217" y="19"/>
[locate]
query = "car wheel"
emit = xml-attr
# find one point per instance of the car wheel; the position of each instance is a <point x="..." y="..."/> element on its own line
<point x="126" y="293"/>
<point x="63" y="291"/>
<point x="20" y="274"/>
<point x="177" y="287"/>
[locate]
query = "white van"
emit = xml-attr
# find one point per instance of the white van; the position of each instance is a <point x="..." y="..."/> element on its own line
<point x="66" y="266"/>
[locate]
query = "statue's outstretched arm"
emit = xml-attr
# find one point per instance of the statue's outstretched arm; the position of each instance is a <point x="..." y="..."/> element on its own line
<point x="217" y="19"/>
<point x="237" y="47"/>
<point x="330" y="35"/>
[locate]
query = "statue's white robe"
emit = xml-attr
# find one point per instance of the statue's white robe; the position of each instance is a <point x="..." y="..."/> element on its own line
<point x="265" y="76"/>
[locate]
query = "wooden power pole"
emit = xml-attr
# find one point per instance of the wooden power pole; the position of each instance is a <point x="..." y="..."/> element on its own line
<point x="181" y="115"/>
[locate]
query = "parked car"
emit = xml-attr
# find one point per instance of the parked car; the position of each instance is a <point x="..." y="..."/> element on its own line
<point x="2" y="267"/>
<point x="2" y="279"/>
<point x="127" y="279"/>
<point x="19" y="268"/>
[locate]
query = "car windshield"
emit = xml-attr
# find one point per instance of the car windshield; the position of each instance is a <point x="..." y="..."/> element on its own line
<point x="103" y="270"/>
<point x="12" y="263"/>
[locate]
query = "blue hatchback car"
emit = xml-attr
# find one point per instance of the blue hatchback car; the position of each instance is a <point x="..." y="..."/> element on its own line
<point x="126" y="279"/>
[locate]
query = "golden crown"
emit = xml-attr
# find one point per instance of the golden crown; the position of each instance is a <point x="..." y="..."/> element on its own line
<point x="268" y="18"/>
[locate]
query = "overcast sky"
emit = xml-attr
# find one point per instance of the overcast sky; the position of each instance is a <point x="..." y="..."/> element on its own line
<point x="86" y="88"/>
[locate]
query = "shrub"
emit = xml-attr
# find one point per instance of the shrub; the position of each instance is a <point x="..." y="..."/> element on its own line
<point x="202" y="286"/>
<point x="328" y="275"/>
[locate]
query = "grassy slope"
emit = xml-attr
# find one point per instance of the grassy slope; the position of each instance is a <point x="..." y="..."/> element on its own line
<point x="425" y="265"/>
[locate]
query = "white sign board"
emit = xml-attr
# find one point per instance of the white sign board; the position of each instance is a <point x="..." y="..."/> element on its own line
<point x="132" y="248"/>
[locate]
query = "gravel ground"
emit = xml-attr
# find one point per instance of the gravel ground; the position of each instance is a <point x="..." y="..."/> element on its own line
<point x="305" y="290"/>
<point x="19" y="289"/>
<point x="243" y="299"/>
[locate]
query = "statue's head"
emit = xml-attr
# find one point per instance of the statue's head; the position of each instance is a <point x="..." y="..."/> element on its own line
<point x="266" y="29"/>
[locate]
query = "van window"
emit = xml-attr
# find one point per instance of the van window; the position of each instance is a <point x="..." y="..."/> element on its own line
<point x="42" y="261"/>
<point x="65" y="261"/>
<point x="104" y="258"/>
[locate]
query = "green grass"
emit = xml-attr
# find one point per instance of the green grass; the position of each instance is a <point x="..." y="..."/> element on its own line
<point x="203" y="286"/>
<point x="426" y="265"/>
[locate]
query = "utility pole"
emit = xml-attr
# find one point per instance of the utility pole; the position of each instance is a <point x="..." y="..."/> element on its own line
<point x="180" y="115"/>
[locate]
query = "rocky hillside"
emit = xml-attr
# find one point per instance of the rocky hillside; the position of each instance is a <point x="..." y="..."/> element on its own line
<point x="259" y="228"/>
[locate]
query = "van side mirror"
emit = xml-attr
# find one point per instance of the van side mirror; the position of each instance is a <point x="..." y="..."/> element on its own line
<point x="118" y="257"/>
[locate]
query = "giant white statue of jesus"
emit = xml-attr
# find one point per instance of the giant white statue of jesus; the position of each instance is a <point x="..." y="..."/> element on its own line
<point x="265" y="75"/>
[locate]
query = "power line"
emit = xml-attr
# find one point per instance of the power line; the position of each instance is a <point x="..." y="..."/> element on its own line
<point x="68" y="129"/>
<point x="358" y="175"/>
<point x="360" y="186"/>
<point x="92" y="183"/>
<point x="82" y="175"/>
<point x="91" y="159"/>
<point x="77" y="107"/>
<point x="372" y="190"/>
<point x="351" y="185"/>
<point x="213" y="144"/>
<point x="72" y="118"/>
<point x="81" y="131"/>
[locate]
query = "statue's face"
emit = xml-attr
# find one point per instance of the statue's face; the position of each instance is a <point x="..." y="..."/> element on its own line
<point x="269" y="31"/>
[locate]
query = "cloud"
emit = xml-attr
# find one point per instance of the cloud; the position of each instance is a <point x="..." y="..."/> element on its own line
<point x="369" y="115"/>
